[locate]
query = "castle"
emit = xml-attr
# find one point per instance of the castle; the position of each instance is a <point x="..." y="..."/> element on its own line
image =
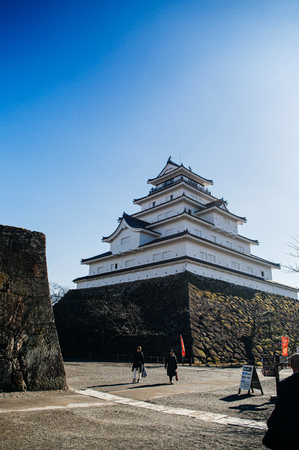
<point x="181" y="227"/>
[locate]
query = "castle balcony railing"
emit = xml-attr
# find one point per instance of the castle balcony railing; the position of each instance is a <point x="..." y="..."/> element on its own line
<point x="173" y="182"/>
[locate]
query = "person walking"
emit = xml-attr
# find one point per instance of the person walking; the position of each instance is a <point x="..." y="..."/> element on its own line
<point x="137" y="364"/>
<point x="171" y="364"/>
<point x="283" y="422"/>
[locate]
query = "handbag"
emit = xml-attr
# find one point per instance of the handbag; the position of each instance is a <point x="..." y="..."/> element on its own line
<point x="144" y="374"/>
<point x="176" y="376"/>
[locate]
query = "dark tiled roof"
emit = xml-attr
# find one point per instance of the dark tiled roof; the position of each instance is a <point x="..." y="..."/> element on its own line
<point x="218" y="203"/>
<point x="248" y="239"/>
<point x="134" y="222"/>
<point x="177" y="166"/>
<point x="169" y="161"/>
<point x="102" y="255"/>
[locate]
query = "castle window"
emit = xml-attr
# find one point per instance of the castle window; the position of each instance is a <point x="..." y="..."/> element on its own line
<point x="203" y="255"/>
<point x="166" y="255"/>
<point x="113" y="266"/>
<point x="241" y="249"/>
<point x="235" y="265"/>
<point x="152" y="204"/>
<point x="169" y="197"/>
<point x="130" y="263"/>
<point x="100" y="269"/>
<point x="156" y="256"/>
<point x="211" y="258"/>
<point x="229" y="244"/>
<point x="169" y="213"/>
<point x="249" y="269"/>
<point x="197" y="232"/>
<point x="161" y="216"/>
<point x="262" y="273"/>
<point x="125" y="240"/>
<point x="213" y="238"/>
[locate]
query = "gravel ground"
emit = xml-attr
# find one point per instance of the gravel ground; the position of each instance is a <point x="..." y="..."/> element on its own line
<point x="110" y="425"/>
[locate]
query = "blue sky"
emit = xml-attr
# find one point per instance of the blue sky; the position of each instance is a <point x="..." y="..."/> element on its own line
<point x="96" y="95"/>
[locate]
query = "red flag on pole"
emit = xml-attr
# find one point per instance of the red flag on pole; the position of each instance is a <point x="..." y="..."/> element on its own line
<point x="182" y="347"/>
<point x="284" y="345"/>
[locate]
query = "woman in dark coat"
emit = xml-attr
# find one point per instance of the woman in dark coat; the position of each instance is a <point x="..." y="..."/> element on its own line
<point x="137" y="363"/>
<point x="171" y="365"/>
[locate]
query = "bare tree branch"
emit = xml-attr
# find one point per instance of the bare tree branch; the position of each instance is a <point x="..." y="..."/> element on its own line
<point x="57" y="292"/>
<point x="294" y="245"/>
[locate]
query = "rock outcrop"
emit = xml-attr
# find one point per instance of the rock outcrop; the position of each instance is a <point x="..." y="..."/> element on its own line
<point x="219" y="321"/>
<point x="30" y="356"/>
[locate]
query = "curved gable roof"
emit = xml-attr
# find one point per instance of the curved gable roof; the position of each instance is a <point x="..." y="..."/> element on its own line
<point x="127" y="221"/>
<point x="220" y="205"/>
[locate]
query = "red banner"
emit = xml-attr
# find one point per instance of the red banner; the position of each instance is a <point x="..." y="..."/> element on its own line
<point x="284" y="345"/>
<point x="182" y="347"/>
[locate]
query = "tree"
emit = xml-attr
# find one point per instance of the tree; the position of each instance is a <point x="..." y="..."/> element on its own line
<point x="57" y="292"/>
<point x="120" y="319"/>
<point x="294" y="245"/>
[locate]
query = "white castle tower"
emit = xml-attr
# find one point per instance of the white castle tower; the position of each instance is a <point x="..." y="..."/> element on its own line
<point x="181" y="227"/>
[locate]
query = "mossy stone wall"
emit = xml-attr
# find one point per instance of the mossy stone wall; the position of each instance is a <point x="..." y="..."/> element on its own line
<point x="30" y="356"/>
<point x="219" y="321"/>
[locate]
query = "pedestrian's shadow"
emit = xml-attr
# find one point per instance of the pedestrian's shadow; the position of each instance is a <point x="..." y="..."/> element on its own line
<point x="138" y="386"/>
<point x="242" y="408"/>
<point x="107" y="385"/>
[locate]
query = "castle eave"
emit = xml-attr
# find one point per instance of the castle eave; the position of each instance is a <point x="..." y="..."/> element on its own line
<point x="168" y="262"/>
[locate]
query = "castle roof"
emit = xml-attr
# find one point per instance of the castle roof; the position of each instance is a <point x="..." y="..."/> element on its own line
<point x="172" y="170"/>
<point x="127" y="221"/>
<point x="92" y="258"/>
<point x="221" y="205"/>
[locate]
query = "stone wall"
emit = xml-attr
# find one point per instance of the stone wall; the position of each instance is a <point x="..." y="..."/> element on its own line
<point x="30" y="356"/>
<point x="219" y="321"/>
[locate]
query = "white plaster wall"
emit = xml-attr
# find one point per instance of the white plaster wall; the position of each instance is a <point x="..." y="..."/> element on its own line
<point x="178" y="225"/>
<point x="208" y="216"/>
<point x="228" y="224"/>
<point x="195" y="268"/>
<point x="141" y="257"/>
<point x="144" y="238"/>
<point x="225" y="258"/>
<point x="177" y="191"/>
<point x="201" y="249"/>
<point x="116" y="246"/>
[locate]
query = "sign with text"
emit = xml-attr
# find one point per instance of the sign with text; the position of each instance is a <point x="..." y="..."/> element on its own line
<point x="250" y="379"/>
<point x="246" y="378"/>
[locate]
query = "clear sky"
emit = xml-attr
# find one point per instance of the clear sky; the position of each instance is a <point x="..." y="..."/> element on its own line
<point x="96" y="95"/>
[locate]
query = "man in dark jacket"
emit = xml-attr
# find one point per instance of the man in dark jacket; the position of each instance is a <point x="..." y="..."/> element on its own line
<point x="283" y="422"/>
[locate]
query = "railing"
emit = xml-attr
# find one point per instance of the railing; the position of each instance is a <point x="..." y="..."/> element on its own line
<point x="172" y="182"/>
